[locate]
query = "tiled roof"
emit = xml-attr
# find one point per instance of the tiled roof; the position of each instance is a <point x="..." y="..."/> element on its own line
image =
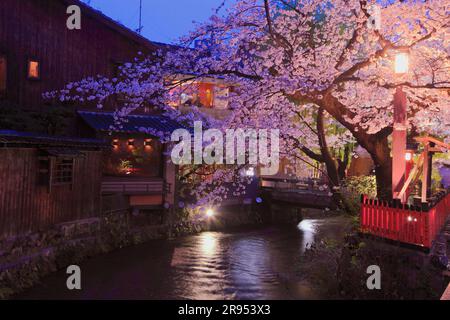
<point x="104" y="121"/>
<point x="14" y="138"/>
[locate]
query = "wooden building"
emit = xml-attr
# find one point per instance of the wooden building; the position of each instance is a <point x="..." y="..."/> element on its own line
<point x="47" y="180"/>
<point x="38" y="54"/>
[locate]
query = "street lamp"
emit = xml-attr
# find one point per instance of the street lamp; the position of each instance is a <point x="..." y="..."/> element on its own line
<point x="408" y="156"/>
<point x="210" y="213"/>
<point x="250" y="172"/>
<point x="401" y="62"/>
<point x="399" y="153"/>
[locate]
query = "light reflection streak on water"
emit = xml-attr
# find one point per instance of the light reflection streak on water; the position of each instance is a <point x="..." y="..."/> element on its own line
<point x="208" y="243"/>
<point x="199" y="276"/>
<point x="308" y="227"/>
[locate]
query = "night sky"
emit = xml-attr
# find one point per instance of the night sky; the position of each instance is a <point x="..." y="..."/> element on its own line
<point x="163" y="20"/>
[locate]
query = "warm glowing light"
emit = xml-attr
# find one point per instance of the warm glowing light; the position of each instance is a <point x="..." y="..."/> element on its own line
<point x="208" y="243"/>
<point x="210" y="212"/>
<point x="408" y="156"/>
<point x="115" y="143"/>
<point x="401" y="62"/>
<point x="131" y="142"/>
<point x="309" y="229"/>
<point x="33" y="69"/>
<point x="148" y="142"/>
<point x="410" y="219"/>
<point x="250" y="172"/>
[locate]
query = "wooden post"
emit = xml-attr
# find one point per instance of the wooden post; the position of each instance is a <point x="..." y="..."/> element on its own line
<point x="430" y="168"/>
<point x="426" y="168"/>
<point x="399" y="144"/>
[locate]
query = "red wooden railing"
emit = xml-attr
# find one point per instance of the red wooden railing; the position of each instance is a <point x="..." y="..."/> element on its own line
<point x="407" y="224"/>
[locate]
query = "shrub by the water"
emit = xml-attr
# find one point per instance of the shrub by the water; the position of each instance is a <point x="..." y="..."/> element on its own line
<point x="354" y="187"/>
<point x="340" y="270"/>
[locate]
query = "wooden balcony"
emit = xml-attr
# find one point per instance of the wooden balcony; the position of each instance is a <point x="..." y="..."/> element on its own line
<point x="134" y="186"/>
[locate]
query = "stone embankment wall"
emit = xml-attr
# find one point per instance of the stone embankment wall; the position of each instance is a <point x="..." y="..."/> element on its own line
<point x="25" y="259"/>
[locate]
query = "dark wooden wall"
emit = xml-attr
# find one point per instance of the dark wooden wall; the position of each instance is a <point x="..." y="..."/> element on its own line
<point x="37" y="29"/>
<point x="26" y="206"/>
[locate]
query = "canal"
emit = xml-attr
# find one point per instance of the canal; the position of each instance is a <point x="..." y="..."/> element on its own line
<point x="261" y="263"/>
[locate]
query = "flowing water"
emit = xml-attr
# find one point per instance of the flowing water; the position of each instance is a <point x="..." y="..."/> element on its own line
<point x="260" y="263"/>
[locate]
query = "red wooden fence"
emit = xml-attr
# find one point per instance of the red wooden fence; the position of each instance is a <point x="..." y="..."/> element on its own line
<point x="407" y="224"/>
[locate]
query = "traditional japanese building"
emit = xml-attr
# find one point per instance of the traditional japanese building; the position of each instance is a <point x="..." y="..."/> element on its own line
<point x="38" y="54"/>
<point x="47" y="180"/>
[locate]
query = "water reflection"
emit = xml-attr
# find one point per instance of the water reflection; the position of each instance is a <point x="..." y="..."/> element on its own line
<point x="198" y="274"/>
<point x="247" y="264"/>
<point x="308" y="227"/>
<point x="249" y="267"/>
<point x="208" y="243"/>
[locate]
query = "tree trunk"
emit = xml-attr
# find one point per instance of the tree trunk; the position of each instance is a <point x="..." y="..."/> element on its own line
<point x="330" y="162"/>
<point x="335" y="168"/>
<point x="383" y="173"/>
<point x="376" y="144"/>
<point x="378" y="147"/>
<point x="343" y="164"/>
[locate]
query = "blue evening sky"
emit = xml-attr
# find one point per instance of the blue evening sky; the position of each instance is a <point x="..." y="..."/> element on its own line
<point x="163" y="20"/>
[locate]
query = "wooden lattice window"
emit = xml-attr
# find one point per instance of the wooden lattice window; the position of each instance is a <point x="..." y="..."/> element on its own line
<point x="63" y="171"/>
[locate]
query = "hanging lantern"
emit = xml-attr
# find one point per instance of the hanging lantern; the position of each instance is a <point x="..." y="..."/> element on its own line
<point x="115" y="143"/>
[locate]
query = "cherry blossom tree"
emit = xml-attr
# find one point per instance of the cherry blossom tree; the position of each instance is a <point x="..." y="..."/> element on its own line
<point x="299" y="65"/>
<point x="327" y="53"/>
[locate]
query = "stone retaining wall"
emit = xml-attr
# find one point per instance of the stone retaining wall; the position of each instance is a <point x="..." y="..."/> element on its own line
<point x="25" y="259"/>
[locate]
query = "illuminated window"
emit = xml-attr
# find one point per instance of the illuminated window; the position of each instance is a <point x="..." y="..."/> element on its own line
<point x="34" y="71"/>
<point x="2" y="75"/>
<point x="206" y="94"/>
